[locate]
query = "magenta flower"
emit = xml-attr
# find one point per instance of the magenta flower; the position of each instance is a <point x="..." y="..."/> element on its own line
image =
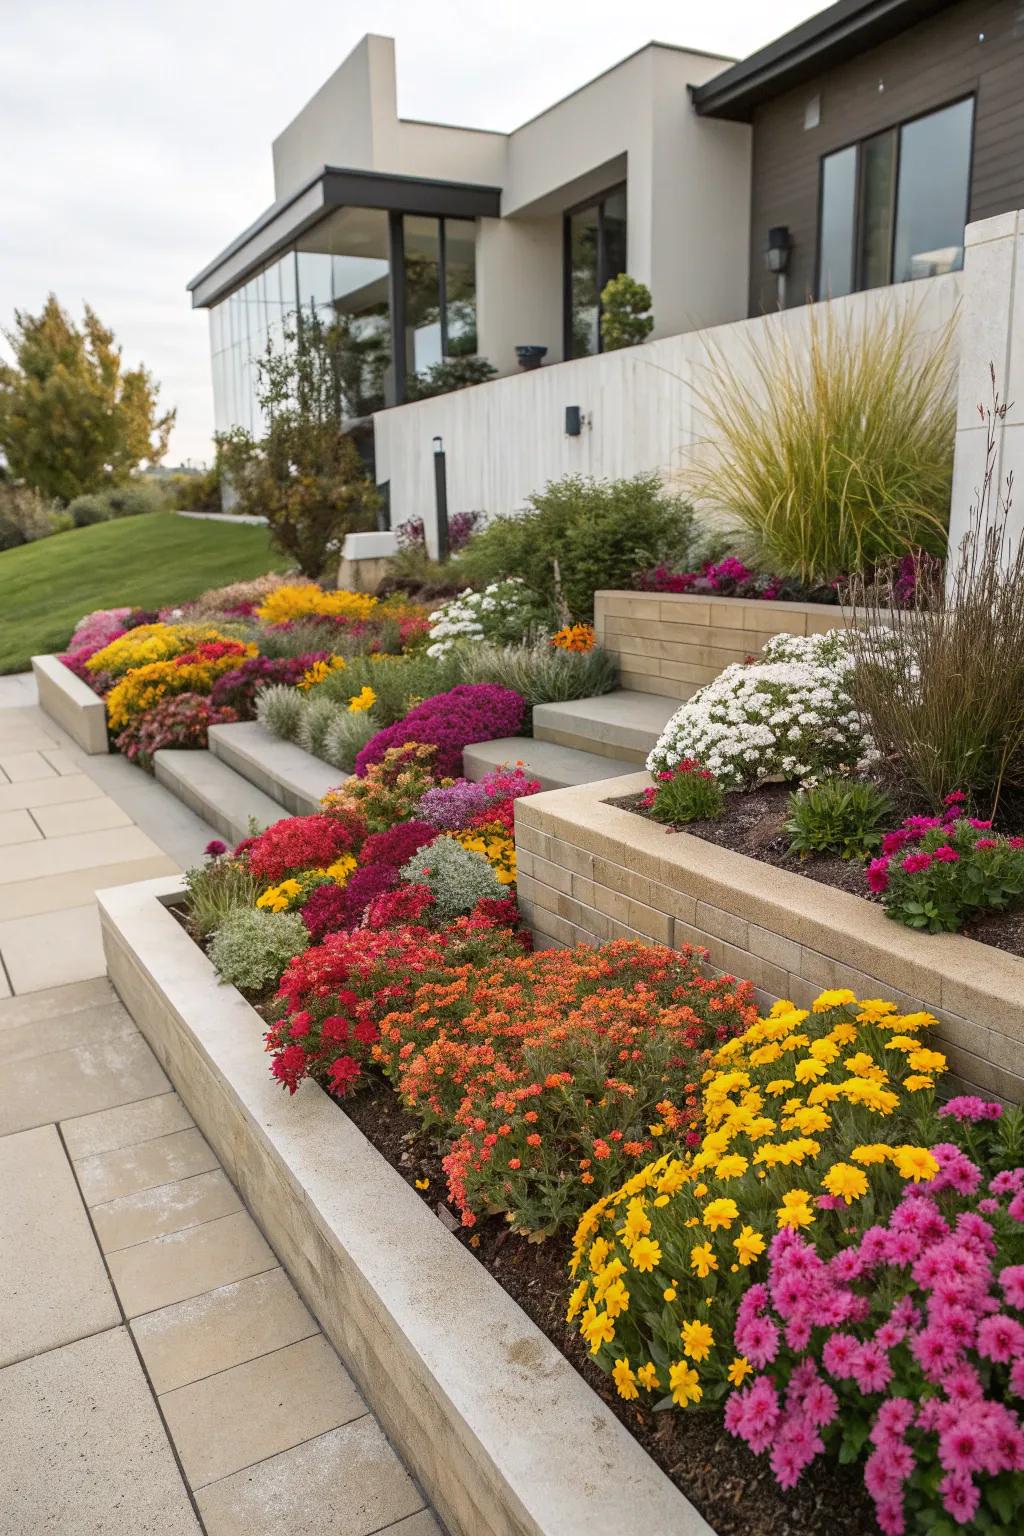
<point x="215" y="848"/>
<point x="877" y="875"/>
<point x="960" y="1497"/>
<point x="946" y="855"/>
<point x="915" y="863"/>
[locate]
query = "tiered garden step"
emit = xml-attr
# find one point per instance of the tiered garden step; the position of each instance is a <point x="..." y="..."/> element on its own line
<point x="624" y="725"/>
<point x="216" y="792"/>
<point x="556" y="767"/>
<point x="292" y="777"/>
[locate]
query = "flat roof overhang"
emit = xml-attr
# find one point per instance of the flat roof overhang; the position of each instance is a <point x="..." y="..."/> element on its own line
<point x="844" y="30"/>
<point x="333" y="187"/>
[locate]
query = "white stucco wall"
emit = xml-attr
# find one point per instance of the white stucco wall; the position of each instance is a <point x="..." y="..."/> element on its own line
<point x="505" y="439"/>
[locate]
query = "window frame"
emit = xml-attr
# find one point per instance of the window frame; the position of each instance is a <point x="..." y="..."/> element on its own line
<point x="597" y="200"/>
<point x="897" y="127"/>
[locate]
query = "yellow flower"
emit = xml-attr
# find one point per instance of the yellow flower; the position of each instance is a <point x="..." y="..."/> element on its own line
<point x="577" y="1299"/>
<point x="914" y="1163"/>
<point x="422" y="1183"/>
<point x="731" y="1167"/>
<point x="834" y="999"/>
<point x="778" y="1085"/>
<point x="305" y="600"/>
<point x="795" y="1210"/>
<point x="702" y="1259"/>
<point x="739" y="1370"/>
<point x="809" y="1119"/>
<point x="600" y="1248"/>
<point x="720" y="1214"/>
<point x="625" y="1380"/>
<point x="845" y="1182"/>
<point x="637" y="1223"/>
<point x="684" y="1384"/>
<point x="672" y="1180"/>
<point x="698" y="1340"/>
<point x="341" y="869"/>
<point x="616" y="1299"/>
<point x="363" y="700"/>
<point x="670" y="1293"/>
<point x="843" y="1033"/>
<point x="647" y="1376"/>
<point x="914" y="1084"/>
<point x="607" y="1276"/>
<point x="824" y="1050"/>
<point x="597" y="1328"/>
<point x="645" y="1255"/>
<point x="927" y="1061"/>
<point x="903" y="1043"/>
<point x="808" y="1070"/>
<point x="874" y="1152"/>
<point x="749" y="1245"/>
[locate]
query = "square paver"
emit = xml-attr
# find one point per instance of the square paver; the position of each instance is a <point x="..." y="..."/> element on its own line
<point x="53" y="1285"/>
<point x="130" y="1170"/>
<point x="222" y="1328"/>
<point x="241" y="1416"/>
<point x="85" y="1453"/>
<point x="81" y="850"/>
<point x="96" y="815"/>
<point x="53" y="948"/>
<point x="77" y="1082"/>
<point x="107" y="1022"/>
<point x="19" y="766"/>
<point x="348" y="1482"/>
<point x="78" y="887"/>
<point x="58" y="791"/>
<point x="133" y="1219"/>
<point x="61" y="762"/>
<point x="129" y="1124"/>
<point x="56" y="1002"/>
<point x="17" y="827"/>
<point x="187" y="1263"/>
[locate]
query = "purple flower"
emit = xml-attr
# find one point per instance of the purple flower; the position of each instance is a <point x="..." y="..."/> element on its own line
<point x="450" y="721"/>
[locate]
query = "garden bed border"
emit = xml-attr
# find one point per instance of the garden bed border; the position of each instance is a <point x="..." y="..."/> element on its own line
<point x="72" y="703"/>
<point x="589" y="872"/>
<point x="502" y="1433"/>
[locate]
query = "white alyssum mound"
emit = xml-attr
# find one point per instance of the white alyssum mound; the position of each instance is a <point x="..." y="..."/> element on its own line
<point x="787" y="715"/>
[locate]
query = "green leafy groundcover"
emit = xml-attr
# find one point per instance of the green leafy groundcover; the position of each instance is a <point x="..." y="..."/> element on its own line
<point x="147" y="561"/>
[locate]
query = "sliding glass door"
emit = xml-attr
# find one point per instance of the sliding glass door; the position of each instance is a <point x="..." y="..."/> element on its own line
<point x="595" y="252"/>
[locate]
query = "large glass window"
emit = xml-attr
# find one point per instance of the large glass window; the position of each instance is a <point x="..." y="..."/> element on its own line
<point x="894" y="206"/>
<point x="595" y="252"/>
<point x="460" y="287"/>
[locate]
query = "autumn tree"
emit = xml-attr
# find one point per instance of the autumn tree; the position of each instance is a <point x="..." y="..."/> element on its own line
<point x="72" y="418"/>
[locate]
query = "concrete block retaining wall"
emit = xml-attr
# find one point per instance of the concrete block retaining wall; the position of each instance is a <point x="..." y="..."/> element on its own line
<point x="673" y="644"/>
<point x="72" y="703"/>
<point x="590" y="872"/>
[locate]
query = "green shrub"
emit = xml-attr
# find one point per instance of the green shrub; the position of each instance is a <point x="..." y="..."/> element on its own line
<point x="134" y="500"/>
<point x="87" y="510"/>
<point x="345" y="737"/>
<point x="837" y="455"/>
<point x="625" y="313"/>
<point x="580" y="536"/>
<point x="457" y="877"/>
<point x="10" y="534"/>
<point x="318" y="715"/>
<point x="399" y="682"/>
<point x="251" y="947"/>
<point x="541" y="673"/>
<point x="215" y="889"/>
<point x="26" y="515"/>
<point x="843" y="816"/>
<point x="452" y="373"/>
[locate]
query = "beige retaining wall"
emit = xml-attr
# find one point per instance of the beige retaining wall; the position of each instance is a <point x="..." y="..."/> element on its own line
<point x="674" y="644"/>
<point x="589" y="872"/>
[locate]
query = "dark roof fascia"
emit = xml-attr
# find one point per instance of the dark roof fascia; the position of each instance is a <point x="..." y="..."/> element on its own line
<point x="335" y="187"/>
<point x="844" y="30"/>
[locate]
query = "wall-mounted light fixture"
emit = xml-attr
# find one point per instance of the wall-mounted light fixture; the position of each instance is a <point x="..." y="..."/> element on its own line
<point x="777" y="255"/>
<point x="573" y="421"/>
<point x="441" y="499"/>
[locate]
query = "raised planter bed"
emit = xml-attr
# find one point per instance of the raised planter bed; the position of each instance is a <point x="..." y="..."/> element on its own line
<point x="674" y="643"/>
<point x="589" y="871"/>
<point x="502" y="1433"/>
<point x="72" y="703"/>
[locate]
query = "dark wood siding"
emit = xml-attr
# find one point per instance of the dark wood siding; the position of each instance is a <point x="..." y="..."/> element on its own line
<point x="934" y="63"/>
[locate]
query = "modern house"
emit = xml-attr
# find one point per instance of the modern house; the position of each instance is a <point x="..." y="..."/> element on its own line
<point x="426" y="242"/>
<point x="842" y="161"/>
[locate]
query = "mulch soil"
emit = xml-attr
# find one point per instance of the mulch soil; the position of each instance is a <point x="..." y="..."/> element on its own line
<point x="754" y="824"/>
<point x="735" y="1491"/>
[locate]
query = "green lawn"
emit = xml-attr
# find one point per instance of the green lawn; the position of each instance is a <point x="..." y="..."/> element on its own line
<point x="149" y="562"/>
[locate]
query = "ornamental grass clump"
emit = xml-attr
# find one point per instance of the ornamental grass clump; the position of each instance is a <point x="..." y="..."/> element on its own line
<point x="938" y="872"/>
<point x="837" y="816"/>
<point x="941" y="682"/>
<point x="252" y="946"/>
<point x="789" y="714"/>
<point x="221" y="885"/>
<point x="279" y="708"/>
<point x="814" y="1123"/>
<point x="541" y="674"/>
<point x="835" y="451"/>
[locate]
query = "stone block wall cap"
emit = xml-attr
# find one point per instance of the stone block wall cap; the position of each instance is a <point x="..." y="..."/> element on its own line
<point x="369" y="546"/>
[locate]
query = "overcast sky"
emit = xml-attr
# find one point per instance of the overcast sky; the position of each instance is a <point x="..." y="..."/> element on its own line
<point x="136" y="133"/>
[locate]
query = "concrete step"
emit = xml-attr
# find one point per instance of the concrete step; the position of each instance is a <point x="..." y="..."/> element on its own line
<point x="216" y="792"/>
<point x="624" y="725"/>
<point x="292" y="777"/>
<point x="556" y="767"/>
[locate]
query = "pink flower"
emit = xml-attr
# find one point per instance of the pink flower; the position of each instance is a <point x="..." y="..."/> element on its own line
<point x="985" y="842"/>
<point x="1016" y="843"/>
<point x="877" y="875"/>
<point x="946" y="854"/>
<point x="916" y="863"/>
<point x="1016" y="1207"/>
<point x="1000" y="1338"/>
<point x="870" y="1368"/>
<point x="968" y="1106"/>
<point x="960" y="1497"/>
<point x="956" y="797"/>
<point x="1012" y="1282"/>
<point x="894" y="842"/>
<point x="979" y="826"/>
<point x="838" y="1355"/>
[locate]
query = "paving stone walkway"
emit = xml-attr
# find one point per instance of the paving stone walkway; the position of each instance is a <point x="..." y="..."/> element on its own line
<point x="158" y="1372"/>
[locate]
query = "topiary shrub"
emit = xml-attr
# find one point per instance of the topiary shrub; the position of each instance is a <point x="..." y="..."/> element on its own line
<point x="626" y="319"/>
<point x="252" y="946"/>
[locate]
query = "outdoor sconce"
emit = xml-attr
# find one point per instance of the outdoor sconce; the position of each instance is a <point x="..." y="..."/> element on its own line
<point x="573" y="421"/>
<point x="777" y="257"/>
